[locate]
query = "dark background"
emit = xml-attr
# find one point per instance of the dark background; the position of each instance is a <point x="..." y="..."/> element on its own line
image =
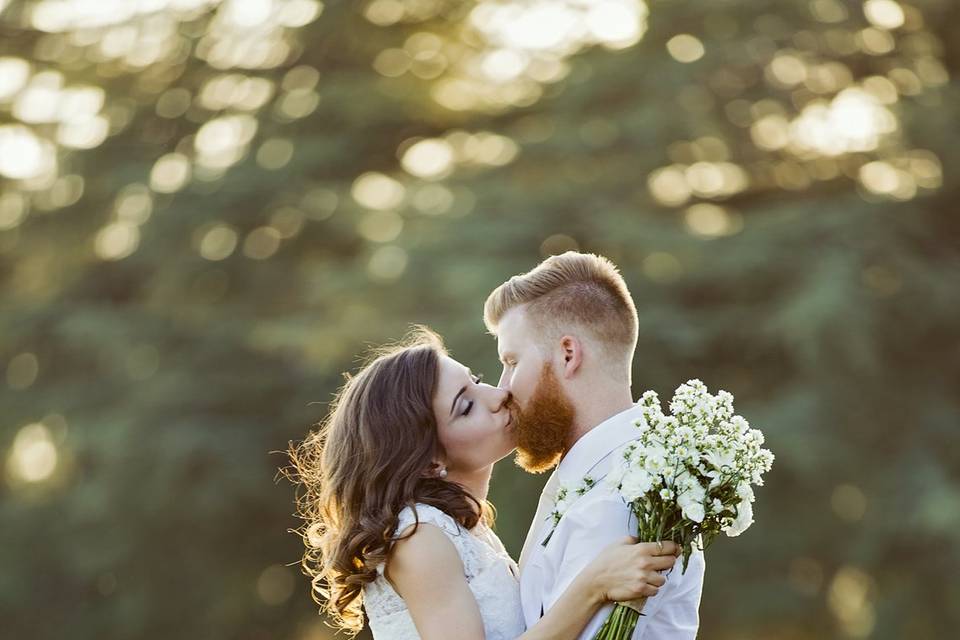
<point x="209" y="208"/>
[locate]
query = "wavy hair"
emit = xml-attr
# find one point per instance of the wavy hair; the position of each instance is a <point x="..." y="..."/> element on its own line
<point x="371" y="457"/>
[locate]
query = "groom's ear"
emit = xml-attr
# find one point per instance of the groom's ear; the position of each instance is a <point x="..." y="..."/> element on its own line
<point x="572" y="351"/>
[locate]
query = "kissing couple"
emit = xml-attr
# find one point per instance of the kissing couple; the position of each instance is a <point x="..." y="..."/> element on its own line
<point x="393" y="485"/>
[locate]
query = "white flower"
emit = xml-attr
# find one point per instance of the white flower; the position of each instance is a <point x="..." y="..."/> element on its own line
<point x="674" y="473"/>
<point x="740" y="425"/>
<point x="635" y="456"/>
<point x="720" y="458"/>
<point x="655" y="459"/>
<point x="616" y="475"/>
<point x="650" y="399"/>
<point x="687" y="454"/>
<point x="766" y="459"/>
<point x="724" y="407"/>
<point x="743" y="520"/>
<point x="691" y="497"/>
<point x="636" y="482"/>
<point x="716" y="478"/>
<point x="692" y="510"/>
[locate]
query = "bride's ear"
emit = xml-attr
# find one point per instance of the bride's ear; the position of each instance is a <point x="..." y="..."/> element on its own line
<point x="437" y="469"/>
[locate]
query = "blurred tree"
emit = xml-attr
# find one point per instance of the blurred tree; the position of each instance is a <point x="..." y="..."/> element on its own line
<point x="209" y="207"/>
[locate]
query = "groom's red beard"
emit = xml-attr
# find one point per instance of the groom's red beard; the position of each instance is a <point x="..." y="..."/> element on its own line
<point x="544" y="427"/>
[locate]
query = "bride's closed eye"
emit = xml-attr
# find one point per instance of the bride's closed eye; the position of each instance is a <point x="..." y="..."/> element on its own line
<point x="476" y="380"/>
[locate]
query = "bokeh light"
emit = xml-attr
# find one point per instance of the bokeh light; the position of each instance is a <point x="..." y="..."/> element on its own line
<point x="33" y="457"/>
<point x="710" y="220"/>
<point x="886" y="14"/>
<point x="23" y="154"/>
<point x="170" y="173"/>
<point x="387" y="263"/>
<point x="217" y="241"/>
<point x="117" y="241"/>
<point x="685" y="48"/>
<point x="378" y="191"/>
<point x="430" y="159"/>
<point x="209" y="207"/>
<point x="850" y="601"/>
<point x="275" y="584"/>
<point x="22" y="371"/>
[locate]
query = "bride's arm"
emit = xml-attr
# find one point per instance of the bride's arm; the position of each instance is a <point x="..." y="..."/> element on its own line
<point x="426" y="571"/>
<point x="623" y="571"/>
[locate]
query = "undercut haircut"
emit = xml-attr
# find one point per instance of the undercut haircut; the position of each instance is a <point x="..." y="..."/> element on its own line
<point x="580" y="289"/>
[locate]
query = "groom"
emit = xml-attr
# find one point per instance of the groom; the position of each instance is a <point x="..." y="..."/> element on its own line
<point x="566" y="334"/>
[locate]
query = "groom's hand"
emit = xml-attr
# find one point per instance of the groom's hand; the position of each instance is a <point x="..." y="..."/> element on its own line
<point x="627" y="570"/>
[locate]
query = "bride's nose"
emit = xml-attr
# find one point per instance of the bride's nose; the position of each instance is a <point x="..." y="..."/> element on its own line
<point x="499" y="398"/>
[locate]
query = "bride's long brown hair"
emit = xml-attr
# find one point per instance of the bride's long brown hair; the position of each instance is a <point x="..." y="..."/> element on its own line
<point x="371" y="457"/>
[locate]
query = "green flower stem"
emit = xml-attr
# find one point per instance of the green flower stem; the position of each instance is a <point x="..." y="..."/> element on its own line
<point x="619" y="625"/>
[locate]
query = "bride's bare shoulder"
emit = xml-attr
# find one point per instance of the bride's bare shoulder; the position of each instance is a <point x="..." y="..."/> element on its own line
<point x="422" y="552"/>
<point x="426" y="571"/>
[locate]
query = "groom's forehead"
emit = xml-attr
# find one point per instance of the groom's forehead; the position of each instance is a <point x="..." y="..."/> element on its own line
<point x="507" y="331"/>
<point x="512" y="332"/>
<point x="512" y="324"/>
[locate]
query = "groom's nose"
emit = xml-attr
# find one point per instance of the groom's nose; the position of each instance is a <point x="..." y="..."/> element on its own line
<point x="501" y="398"/>
<point x="504" y="380"/>
<point x="507" y="400"/>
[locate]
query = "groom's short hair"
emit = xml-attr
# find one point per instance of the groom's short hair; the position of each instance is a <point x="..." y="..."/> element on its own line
<point x="582" y="289"/>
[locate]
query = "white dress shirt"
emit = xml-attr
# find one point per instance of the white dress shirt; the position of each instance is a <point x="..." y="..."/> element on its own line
<point x="592" y="522"/>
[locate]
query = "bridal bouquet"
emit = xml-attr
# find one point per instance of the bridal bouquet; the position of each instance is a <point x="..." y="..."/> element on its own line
<point x="688" y="478"/>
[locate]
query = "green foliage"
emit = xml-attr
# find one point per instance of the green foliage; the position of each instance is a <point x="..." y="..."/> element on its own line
<point x="168" y="381"/>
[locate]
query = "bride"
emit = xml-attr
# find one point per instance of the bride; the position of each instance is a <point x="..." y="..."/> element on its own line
<point x="392" y="491"/>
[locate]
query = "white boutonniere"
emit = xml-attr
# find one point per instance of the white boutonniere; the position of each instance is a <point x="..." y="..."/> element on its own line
<point x="565" y="498"/>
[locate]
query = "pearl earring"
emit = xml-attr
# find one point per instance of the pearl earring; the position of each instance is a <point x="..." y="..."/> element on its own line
<point x="442" y="473"/>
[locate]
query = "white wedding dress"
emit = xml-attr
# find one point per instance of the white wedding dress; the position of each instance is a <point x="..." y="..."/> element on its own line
<point x="489" y="570"/>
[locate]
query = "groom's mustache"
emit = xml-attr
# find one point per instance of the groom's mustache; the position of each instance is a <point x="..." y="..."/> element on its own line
<point x="511" y="405"/>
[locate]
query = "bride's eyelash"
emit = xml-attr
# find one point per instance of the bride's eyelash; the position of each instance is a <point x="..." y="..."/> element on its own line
<point x="477" y="377"/>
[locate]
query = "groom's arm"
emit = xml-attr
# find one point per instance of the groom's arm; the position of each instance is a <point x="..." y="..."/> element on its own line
<point x="580" y="537"/>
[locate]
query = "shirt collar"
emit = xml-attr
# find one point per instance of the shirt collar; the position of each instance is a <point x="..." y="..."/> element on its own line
<point x="592" y="446"/>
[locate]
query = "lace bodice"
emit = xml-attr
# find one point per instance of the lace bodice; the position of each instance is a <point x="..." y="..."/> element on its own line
<point x="489" y="570"/>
